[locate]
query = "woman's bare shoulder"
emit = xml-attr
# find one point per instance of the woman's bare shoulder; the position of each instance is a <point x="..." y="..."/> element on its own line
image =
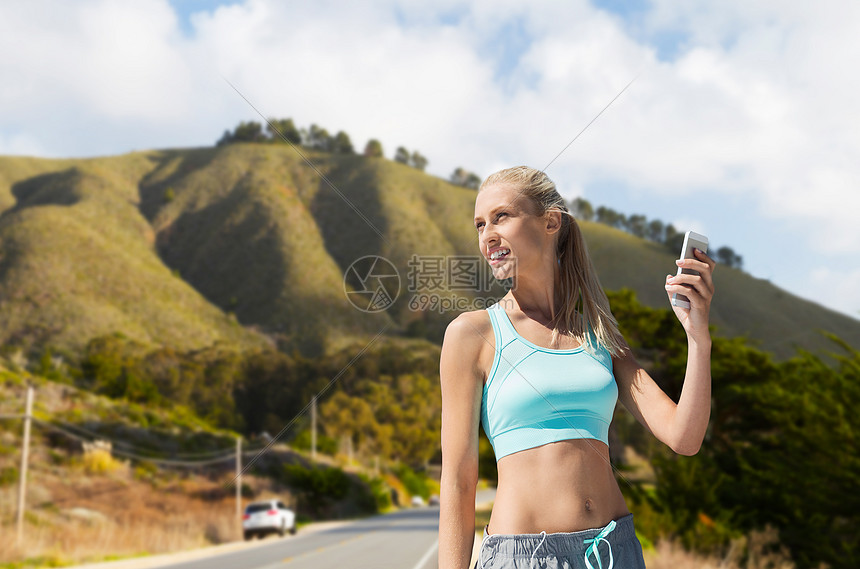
<point x="473" y="327"/>
<point x="469" y="338"/>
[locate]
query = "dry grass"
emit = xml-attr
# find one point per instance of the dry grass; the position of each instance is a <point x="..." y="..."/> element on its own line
<point x="85" y="517"/>
<point x="757" y="551"/>
<point x="81" y="541"/>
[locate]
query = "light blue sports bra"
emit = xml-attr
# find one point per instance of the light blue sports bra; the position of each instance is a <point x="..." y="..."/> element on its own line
<point x="535" y="395"/>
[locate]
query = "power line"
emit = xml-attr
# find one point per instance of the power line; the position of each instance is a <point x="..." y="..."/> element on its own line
<point x="134" y="448"/>
<point x="231" y="455"/>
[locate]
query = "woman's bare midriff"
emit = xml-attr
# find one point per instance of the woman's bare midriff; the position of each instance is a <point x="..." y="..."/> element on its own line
<point x="565" y="486"/>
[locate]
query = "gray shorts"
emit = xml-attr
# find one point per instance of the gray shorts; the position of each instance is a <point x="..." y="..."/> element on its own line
<point x="614" y="546"/>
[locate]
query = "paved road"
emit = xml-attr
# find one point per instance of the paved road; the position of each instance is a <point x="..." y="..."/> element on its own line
<point x="402" y="540"/>
<point x="406" y="539"/>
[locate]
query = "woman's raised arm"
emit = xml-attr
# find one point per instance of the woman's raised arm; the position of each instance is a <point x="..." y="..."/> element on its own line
<point x="680" y="426"/>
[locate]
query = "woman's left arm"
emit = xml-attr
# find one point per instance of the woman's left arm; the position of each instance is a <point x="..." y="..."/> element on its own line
<point x="682" y="426"/>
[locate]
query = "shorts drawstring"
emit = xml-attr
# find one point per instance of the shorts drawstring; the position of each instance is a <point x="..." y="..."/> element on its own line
<point x="595" y="541"/>
<point x="533" y="550"/>
<point x="543" y="539"/>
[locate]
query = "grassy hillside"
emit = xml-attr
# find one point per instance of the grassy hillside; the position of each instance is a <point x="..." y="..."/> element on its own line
<point x="77" y="260"/>
<point x="167" y="246"/>
<point x="777" y="321"/>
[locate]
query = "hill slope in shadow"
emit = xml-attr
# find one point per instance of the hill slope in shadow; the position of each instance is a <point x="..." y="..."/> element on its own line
<point x="248" y="243"/>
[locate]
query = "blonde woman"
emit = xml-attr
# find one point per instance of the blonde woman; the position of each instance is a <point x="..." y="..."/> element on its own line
<point x="542" y="370"/>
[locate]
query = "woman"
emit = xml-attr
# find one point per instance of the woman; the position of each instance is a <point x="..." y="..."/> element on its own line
<point x="542" y="369"/>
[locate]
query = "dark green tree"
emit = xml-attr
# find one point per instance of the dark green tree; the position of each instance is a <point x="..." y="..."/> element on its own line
<point x="342" y="144"/>
<point x="458" y="176"/>
<point x="319" y="139"/>
<point x="637" y="224"/>
<point x="581" y="209"/>
<point x="373" y="149"/>
<point x="673" y="239"/>
<point x="465" y="178"/>
<point x="418" y="161"/>
<point x="401" y="155"/>
<point x="283" y="131"/>
<point x="226" y="138"/>
<point x="656" y="231"/>
<point x="728" y="257"/>
<point x="612" y="218"/>
<point x="250" y="131"/>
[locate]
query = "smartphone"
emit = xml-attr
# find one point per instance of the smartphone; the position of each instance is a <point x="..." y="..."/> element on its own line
<point x="692" y="240"/>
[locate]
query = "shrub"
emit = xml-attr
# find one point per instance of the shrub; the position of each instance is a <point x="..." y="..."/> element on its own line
<point x="318" y="486"/>
<point x="380" y="493"/>
<point x="100" y="461"/>
<point x="325" y="445"/>
<point x="8" y="476"/>
<point x="414" y="483"/>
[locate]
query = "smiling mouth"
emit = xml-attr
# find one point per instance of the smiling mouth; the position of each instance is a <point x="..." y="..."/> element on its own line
<point x="499" y="254"/>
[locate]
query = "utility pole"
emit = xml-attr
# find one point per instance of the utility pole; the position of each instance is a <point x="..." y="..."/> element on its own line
<point x="239" y="480"/>
<point x="25" y="451"/>
<point x="314" y="428"/>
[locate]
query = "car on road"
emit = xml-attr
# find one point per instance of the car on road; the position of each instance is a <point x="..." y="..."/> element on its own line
<point x="268" y="516"/>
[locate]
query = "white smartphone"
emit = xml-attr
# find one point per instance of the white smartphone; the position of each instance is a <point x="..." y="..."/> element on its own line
<point x="692" y="240"/>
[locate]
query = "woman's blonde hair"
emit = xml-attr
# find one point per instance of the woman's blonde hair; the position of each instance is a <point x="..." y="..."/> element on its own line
<point x="584" y="311"/>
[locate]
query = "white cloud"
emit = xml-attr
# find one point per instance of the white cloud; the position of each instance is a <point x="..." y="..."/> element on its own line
<point x="759" y="99"/>
<point x="20" y="144"/>
<point x="834" y="288"/>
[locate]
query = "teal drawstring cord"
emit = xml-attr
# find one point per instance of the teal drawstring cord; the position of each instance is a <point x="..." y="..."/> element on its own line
<point x="595" y="541"/>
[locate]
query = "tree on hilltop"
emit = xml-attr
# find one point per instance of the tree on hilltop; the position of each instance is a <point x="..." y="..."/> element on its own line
<point x="250" y="131"/>
<point x="462" y="177"/>
<point x="373" y="149"/>
<point x="418" y="161"/>
<point x="728" y="257"/>
<point x="612" y="218"/>
<point x="582" y="209"/>
<point x="656" y="231"/>
<point x="401" y="155"/>
<point x="283" y="130"/>
<point x="320" y="139"/>
<point x="341" y="144"/>
<point x="415" y="159"/>
<point x="637" y="224"/>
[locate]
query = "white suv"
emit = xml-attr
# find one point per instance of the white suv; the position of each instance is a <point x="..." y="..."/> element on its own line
<point x="268" y="516"/>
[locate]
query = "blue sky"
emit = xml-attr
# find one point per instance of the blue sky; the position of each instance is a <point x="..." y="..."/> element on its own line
<point x="742" y="123"/>
<point x="185" y="9"/>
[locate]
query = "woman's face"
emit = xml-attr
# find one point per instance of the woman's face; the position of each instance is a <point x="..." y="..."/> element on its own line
<point x="510" y="236"/>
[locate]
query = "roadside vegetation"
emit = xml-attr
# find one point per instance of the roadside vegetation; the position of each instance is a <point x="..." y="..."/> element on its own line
<point x="780" y="455"/>
<point x="89" y="502"/>
<point x="166" y="302"/>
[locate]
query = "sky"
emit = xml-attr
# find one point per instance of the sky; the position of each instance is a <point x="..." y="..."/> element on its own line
<point x="742" y="123"/>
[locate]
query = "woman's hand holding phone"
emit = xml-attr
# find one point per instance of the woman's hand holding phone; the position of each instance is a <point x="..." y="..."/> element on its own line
<point x="694" y="285"/>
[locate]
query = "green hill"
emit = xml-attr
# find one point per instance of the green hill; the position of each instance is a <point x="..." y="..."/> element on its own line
<point x="77" y="260"/>
<point x="176" y="246"/>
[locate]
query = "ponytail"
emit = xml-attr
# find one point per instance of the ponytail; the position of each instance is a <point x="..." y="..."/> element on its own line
<point x="584" y="309"/>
